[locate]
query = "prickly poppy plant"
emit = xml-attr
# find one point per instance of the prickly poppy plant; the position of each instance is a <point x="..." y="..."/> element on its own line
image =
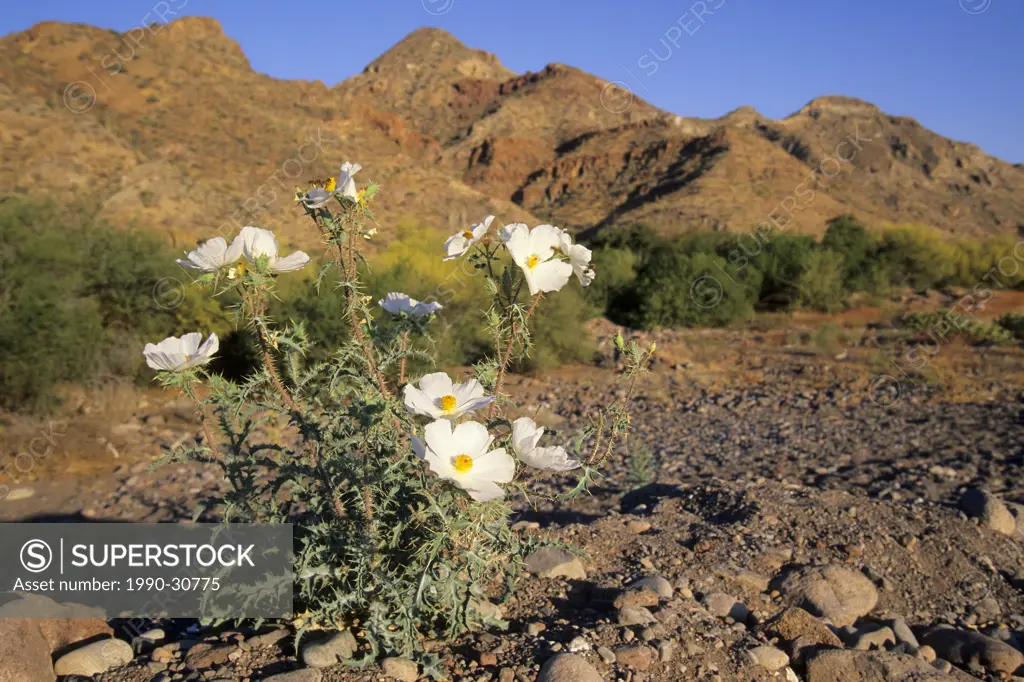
<point x="400" y="487"/>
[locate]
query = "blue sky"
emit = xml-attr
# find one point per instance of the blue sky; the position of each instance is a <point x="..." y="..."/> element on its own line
<point x="955" y="65"/>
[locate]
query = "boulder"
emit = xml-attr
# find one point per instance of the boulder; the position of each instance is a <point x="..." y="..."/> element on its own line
<point x="962" y="647"/>
<point x="24" y="652"/>
<point x="875" y="666"/>
<point x="568" y="668"/>
<point x="27" y="644"/>
<point x="95" y="658"/>
<point x="551" y="562"/>
<point x="989" y="510"/>
<point x="327" y="652"/>
<point x="401" y="669"/>
<point x="832" y="592"/>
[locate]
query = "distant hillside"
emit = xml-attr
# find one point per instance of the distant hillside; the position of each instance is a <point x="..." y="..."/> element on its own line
<point x="180" y="135"/>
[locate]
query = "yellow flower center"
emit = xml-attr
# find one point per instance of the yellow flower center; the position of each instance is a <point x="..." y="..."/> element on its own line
<point x="463" y="463"/>
<point x="330" y="184"/>
<point x="468" y="234"/>
<point x="532" y="261"/>
<point x="448" y="403"/>
<point x="187" y="357"/>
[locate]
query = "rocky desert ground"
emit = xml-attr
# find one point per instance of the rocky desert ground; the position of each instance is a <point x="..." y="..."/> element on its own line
<point x="789" y="507"/>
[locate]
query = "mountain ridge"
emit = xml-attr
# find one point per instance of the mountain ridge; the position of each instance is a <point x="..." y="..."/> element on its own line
<point x="176" y="131"/>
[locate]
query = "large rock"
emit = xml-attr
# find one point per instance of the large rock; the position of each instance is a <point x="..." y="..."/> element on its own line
<point x="27" y="644"/>
<point x="327" y="652"/>
<point x="875" y="666"/>
<point x="768" y="657"/>
<point x="551" y="562"/>
<point x="962" y="647"/>
<point x="635" y="615"/>
<point x="726" y="606"/>
<point x="832" y="592"/>
<point x="654" y="583"/>
<point x="989" y="510"/>
<point x="794" y="623"/>
<point x="61" y="632"/>
<point x="95" y="658"/>
<point x="24" y="653"/>
<point x="401" y="669"/>
<point x="568" y="668"/>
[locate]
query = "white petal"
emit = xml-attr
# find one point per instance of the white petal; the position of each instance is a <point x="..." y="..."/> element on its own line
<point x="544" y="239"/>
<point x="258" y="242"/>
<point x="496" y="465"/>
<point x="525" y="435"/>
<point x="439" y="464"/>
<point x="234" y="252"/>
<point x="549" y="459"/>
<point x="485" y="491"/>
<point x="317" y="197"/>
<point x="397" y="303"/>
<point x="436" y="385"/>
<point x="189" y="343"/>
<point x="419" y="402"/>
<point x="516" y="232"/>
<point x="290" y="263"/>
<point x="456" y="246"/>
<point x="419" y="448"/>
<point x="470" y="438"/>
<point x="439" y="438"/>
<point x="549" y="276"/>
<point x="468" y="390"/>
<point x="209" y="347"/>
<point x="426" y="308"/>
<point x="475" y="404"/>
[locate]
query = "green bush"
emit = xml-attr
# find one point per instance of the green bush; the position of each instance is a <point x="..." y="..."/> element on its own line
<point x="1014" y="324"/>
<point x="851" y="240"/>
<point x="614" y="291"/>
<point x="820" y="285"/>
<point x="78" y="295"/>
<point x="677" y="289"/>
<point x="944" y="324"/>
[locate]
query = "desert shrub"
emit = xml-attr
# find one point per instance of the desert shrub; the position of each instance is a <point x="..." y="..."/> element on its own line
<point x="990" y="261"/>
<point x="1014" y="324"/>
<point x="783" y="260"/>
<point x="396" y="527"/>
<point x="914" y="256"/>
<point x="820" y="285"/>
<point x="76" y="296"/>
<point x="851" y="240"/>
<point x="642" y="240"/>
<point x="941" y="325"/>
<point x="614" y="292"/>
<point x="677" y="289"/>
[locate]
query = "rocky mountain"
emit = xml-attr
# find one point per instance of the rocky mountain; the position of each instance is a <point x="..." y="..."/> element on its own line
<point x="169" y="127"/>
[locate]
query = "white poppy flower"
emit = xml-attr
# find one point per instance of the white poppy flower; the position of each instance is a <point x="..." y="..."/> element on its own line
<point x="460" y="243"/>
<point x="346" y="181"/>
<point x="439" y="398"/>
<point x="533" y="251"/>
<point x="317" y="197"/>
<point x="579" y="258"/>
<point x="212" y="255"/>
<point x="396" y="304"/>
<point x="257" y="242"/>
<point x="525" y="438"/>
<point x="176" y="354"/>
<point x="461" y="455"/>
